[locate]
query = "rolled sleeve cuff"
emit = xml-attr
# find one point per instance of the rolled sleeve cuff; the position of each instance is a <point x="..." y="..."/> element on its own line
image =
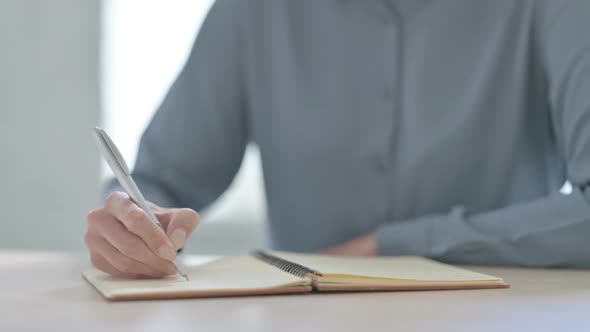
<point x="412" y="237"/>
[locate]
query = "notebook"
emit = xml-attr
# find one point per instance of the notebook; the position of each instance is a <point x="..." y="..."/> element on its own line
<point x="264" y="273"/>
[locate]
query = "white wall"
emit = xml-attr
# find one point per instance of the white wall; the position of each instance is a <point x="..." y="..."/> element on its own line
<point x="140" y="60"/>
<point x="49" y="101"/>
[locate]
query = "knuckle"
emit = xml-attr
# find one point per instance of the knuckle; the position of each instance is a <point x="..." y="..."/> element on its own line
<point x="135" y="218"/>
<point x="114" y="198"/>
<point x="93" y="216"/>
<point x="155" y="241"/>
<point x="111" y="199"/>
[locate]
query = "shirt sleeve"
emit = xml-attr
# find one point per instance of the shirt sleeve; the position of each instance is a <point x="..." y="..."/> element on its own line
<point x="194" y="145"/>
<point x="552" y="231"/>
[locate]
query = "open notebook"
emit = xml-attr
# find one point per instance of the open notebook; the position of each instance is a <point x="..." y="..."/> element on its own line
<point x="262" y="273"/>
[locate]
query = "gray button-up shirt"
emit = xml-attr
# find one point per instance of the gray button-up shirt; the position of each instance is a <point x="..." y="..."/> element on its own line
<point x="446" y="127"/>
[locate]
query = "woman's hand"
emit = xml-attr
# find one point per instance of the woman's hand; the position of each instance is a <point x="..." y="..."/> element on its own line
<point x="365" y="245"/>
<point x="124" y="242"/>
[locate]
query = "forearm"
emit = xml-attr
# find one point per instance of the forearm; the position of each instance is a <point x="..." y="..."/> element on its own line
<point x="549" y="232"/>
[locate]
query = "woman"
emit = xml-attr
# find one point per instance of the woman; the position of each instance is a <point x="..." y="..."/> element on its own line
<point x="392" y="127"/>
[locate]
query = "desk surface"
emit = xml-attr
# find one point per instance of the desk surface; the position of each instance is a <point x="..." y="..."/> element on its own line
<point x="44" y="291"/>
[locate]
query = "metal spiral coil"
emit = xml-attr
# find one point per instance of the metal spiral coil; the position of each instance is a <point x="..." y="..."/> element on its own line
<point x="285" y="265"/>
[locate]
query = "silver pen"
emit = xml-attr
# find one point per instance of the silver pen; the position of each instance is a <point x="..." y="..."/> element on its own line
<point x="119" y="167"/>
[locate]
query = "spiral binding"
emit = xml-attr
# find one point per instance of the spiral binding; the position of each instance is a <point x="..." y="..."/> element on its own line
<point x="285" y="265"/>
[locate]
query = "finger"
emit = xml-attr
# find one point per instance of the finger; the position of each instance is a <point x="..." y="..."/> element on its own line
<point x="138" y="222"/>
<point x="102" y="264"/>
<point x="106" y="267"/>
<point x="182" y="224"/>
<point x="131" y="245"/>
<point x="185" y="219"/>
<point x="164" y="216"/>
<point x="121" y="262"/>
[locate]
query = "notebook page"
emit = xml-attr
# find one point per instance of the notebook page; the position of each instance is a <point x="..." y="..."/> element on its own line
<point x="402" y="267"/>
<point x="230" y="273"/>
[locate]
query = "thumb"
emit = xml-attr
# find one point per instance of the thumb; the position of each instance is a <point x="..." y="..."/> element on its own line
<point x="179" y="224"/>
<point x="164" y="215"/>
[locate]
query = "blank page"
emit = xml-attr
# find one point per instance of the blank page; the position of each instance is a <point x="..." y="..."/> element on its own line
<point x="223" y="275"/>
<point x="401" y="267"/>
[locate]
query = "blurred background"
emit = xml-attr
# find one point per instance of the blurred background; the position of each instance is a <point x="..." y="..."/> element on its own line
<point x="67" y="66"/>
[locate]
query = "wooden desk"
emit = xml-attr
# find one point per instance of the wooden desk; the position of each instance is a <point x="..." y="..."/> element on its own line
<point x="44" y="292"/>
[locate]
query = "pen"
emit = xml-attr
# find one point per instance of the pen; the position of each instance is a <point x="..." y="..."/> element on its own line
<point x="123" y="174"/>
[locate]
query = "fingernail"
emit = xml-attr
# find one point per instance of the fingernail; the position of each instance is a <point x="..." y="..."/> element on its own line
<point x="178" y="237"/>
<point x="167" y="253"/>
